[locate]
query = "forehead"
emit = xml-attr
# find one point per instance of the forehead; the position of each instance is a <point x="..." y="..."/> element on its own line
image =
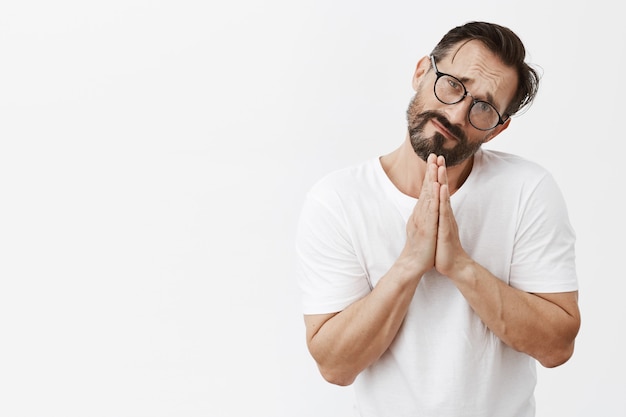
<point x="482" y="72"/>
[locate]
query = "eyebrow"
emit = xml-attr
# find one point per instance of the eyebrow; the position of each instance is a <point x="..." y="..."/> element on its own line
<point x="489" y="97"/>
<point x="466" y="80"/>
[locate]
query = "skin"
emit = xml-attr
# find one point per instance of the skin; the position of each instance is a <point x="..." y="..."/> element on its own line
<point x="542" y="325"/>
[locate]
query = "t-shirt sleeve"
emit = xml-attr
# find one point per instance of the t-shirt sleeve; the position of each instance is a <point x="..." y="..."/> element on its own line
<point x="544" y="251"/>
<point x="330" y="275"/>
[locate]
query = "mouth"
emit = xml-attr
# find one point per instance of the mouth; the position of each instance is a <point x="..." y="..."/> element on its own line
<point x="444" y="131"/>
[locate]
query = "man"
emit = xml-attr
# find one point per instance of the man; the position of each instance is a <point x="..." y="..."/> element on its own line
<point x="434" y="277"/>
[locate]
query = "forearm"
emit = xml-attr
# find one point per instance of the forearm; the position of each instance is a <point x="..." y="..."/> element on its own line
<point x="530" y="323"/>
<point x="351" y="340"/>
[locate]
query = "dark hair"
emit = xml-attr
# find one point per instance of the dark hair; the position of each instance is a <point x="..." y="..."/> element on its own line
<point x="507" y="46"/>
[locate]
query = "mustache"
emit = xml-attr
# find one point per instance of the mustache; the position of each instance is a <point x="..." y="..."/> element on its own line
<point x="455" y="130"/>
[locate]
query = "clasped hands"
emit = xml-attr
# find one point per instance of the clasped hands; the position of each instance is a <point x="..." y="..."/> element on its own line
<point x="432" y="233"/>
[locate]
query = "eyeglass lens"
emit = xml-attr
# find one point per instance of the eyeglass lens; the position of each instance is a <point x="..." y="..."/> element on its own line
<point x="450" y="90"/>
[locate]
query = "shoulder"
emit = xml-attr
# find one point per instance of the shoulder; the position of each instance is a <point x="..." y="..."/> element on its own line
<point x="347" y="182"/>
<point x="506" y="168"/>
<point x="503" y="161"/>
<point x="513" y="178"/>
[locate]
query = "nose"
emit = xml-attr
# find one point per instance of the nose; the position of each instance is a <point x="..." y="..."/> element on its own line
<point x="458" y="113"/>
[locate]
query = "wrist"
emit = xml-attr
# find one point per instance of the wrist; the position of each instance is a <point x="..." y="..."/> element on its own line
<point x="410" y="269"/>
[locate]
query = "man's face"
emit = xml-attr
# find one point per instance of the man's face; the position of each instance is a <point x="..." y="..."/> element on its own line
<point x="435" y="127"/>
<point x="436" y="143"/>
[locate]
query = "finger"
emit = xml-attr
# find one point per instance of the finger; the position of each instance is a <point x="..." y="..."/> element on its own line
<point x="445" y="211"/>
<point x="430" y="213"/>
<point x="431" y="168"/>
<point x="442" y="175"/>
<point x="442" y="172"/>
<point x="444" y="198"/>
<point x="430" y="177"/>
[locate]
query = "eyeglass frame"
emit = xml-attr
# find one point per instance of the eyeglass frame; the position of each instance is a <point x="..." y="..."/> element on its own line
<point x="466" y="93"/>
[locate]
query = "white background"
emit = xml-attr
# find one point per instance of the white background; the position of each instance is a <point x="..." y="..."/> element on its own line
<point x="154" y="156"/>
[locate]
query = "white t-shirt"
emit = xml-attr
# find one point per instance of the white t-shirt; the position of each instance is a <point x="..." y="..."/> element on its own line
<point x="444" y="362"/>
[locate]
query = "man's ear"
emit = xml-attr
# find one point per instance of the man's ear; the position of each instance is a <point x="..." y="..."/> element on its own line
<point x="422" y="67"/>
<point x="495" y="132"/>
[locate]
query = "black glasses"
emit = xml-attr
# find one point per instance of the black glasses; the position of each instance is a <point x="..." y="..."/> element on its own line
<point x="450" y="90"/>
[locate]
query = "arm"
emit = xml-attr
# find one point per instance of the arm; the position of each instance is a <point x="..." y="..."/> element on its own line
<point x="345" y="343"/>
<point x="542" y="325"/>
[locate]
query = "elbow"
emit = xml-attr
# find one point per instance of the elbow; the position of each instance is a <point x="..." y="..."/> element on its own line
<point x="557" y="357"/>
<point x="337" y="370"/>
<point x="562" y="351"/>
<point x="337" y="377"/>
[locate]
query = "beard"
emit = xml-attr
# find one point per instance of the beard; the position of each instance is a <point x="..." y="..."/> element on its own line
<point x="417" y="118"/>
